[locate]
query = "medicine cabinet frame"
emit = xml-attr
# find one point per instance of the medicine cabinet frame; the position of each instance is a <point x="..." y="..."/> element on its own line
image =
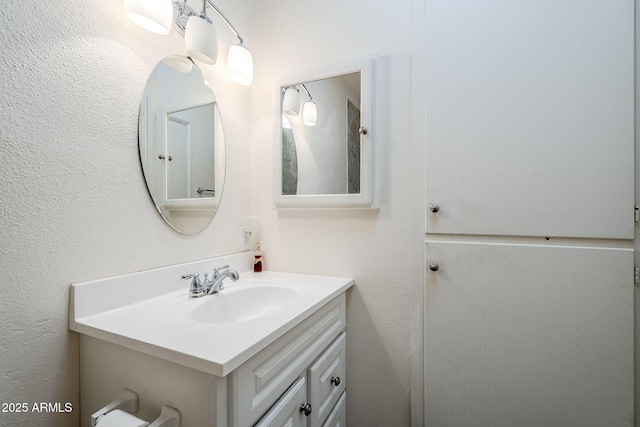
<point x="365" y="199"/>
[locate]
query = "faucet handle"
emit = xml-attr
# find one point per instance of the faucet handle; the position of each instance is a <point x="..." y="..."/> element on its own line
<point x="194" y="276"/>
<point x="216" y="271"/>
<point x="195" y="290"/>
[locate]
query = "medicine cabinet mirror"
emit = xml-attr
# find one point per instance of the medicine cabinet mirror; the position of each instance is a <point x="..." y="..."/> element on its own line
<point x="182" y="147"/>
<point x="324" y="153"/>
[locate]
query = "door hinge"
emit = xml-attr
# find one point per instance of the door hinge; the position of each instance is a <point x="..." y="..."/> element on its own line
<point x="636" y="275"/>
<point x="636" y="215"/>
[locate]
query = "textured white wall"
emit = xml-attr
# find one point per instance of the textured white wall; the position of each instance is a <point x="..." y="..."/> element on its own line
<point x="371" y="246"/>
<point x="74" y="204"/>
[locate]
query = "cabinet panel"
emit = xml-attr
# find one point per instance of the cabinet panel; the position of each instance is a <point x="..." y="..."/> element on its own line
<point x="338" y="417"/>
<point x="528" y="335"/>
<point x="529" y="117"/>
<point x="286" y="411"/>
<point x="327" y="380"/>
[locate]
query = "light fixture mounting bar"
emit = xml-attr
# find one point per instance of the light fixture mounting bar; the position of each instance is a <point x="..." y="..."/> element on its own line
<point x="306" y="90"/>
<point x="226" y="20"/>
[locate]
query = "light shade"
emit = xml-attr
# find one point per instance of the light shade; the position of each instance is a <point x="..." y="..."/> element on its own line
<point x="201" y="40"/>
<point x="240" y="65"/>
<point x="309" y="113"/>
<point x="152" y="15"/>
<point x="291" y="101"/>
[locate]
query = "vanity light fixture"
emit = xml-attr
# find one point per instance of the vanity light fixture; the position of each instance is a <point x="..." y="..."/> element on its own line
<point x="152" y="15"/>
<point x="200" y="35"/>
<point x="309" y="110"/>
<point x="182" y="64"/>
<point x="291" y="101"/>
<point x="291" y="105"/>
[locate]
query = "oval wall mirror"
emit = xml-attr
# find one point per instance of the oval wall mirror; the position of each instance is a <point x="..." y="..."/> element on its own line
<point x="181" y="144"/>
<point x="324" y="138"/>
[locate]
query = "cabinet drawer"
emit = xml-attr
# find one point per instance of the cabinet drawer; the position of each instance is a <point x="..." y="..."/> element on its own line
<point x="327" y="380"/>
<point x="259" y="382"/>
<point x="286" y="411"/>
<point x="338" y="417"/>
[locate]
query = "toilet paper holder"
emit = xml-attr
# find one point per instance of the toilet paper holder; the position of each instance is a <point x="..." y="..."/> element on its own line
<point x="128" y="401"/>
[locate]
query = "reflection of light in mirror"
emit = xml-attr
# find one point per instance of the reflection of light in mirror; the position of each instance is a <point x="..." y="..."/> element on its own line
<point x="180" y="63"/>
<point x="309" y="113"/>
<point x="291" y="102"/>
<point x="285" y="122"/>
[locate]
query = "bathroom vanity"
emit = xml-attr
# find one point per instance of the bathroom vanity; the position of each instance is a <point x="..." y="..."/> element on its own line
<point x="268" y="350"/>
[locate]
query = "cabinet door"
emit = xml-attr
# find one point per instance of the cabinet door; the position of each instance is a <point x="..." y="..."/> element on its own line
<point x="526" y="335"/>
<point x="338" y="416"/>
<point x="286" y="411"/>
<point x="530" y="117"/>
<point x="327" y="380"/>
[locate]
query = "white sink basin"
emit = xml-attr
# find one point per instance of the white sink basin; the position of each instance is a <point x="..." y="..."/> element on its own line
<point x="241" y="304"/>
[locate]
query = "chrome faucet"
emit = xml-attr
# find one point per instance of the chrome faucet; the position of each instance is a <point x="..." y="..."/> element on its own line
<point x="215" y="285"/>
<point x="209" y="287"/>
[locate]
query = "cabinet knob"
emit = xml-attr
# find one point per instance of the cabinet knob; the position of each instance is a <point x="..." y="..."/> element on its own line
<point x="161" y="156"/>
<point x="306" y="409"/>
<point x="335" y="381"/>
<point x="434" y="266"/>
<point x="434" y="208"/>
<point x="363" y="130"/>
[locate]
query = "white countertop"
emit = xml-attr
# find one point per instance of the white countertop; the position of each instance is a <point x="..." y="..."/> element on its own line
<point x="136" y="312"/>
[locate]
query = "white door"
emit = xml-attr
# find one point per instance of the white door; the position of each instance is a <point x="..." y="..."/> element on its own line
<point x="530" y="117"/>
<point x="528" y="335"/>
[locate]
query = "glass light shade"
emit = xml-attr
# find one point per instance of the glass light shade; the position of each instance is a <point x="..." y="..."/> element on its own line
<point x="309" y="113"/>
<point x="240" y="65"/>
<point x="179" y="63"/>
<point x="152" y="15"/>
<point x="291" y="102"/>
<point x="201" y="40"/>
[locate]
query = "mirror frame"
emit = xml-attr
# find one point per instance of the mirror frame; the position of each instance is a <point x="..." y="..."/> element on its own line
<point x="366" y="198"/>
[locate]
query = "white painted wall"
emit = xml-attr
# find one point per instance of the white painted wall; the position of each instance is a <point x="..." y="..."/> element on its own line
<point x="74" y="204"/>
<point x="371" y="246"/>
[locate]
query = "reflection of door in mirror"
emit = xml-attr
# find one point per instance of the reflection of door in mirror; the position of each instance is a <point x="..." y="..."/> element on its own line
<point x="325" y="158"/>
<point x="191" y="171"/>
